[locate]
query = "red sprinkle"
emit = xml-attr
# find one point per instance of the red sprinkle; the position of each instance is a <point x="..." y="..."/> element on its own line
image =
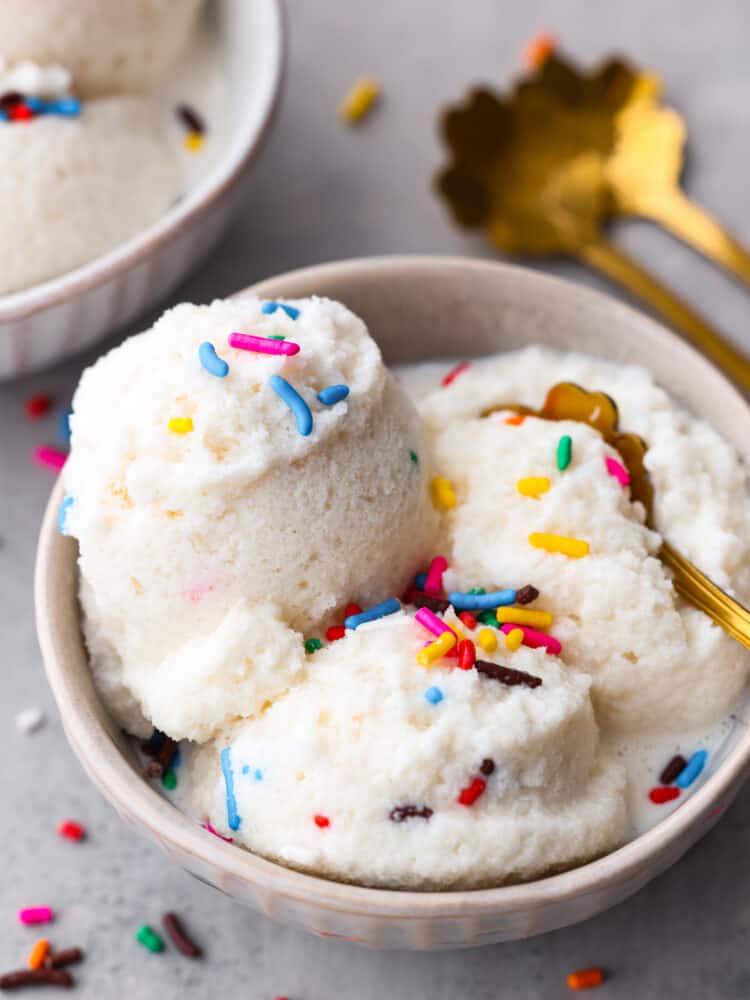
<point x="471" y="793"/>
<point x="455" y="372"/>
<point x="21" y="113"/>
<point x="71" y="830"/>
<point x="468" y="619"/>
<point x="352" y="609"/>
<point x="52" y="458"/>
<point x="335" y="632"/>
<point x="663" y="794"/>
<point x="467" y="654"/>
<point x="36" y="406"/>
<point x="322" y="821"/>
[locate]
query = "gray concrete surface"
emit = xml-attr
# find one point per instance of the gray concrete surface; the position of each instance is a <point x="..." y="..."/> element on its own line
<point x="322" y="192"/>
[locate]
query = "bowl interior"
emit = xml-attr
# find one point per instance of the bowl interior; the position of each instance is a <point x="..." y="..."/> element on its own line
<point x="417" y="309"/>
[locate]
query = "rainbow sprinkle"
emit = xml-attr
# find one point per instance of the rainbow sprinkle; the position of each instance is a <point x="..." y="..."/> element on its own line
<point x="564" y="452"/>
<point x="433" y="581"/>
<point x="294" y="401"/>
<point x="434" y="695"/>
<point x="533" y="486"/>
<point x="692" y="770"/>
<point x="62" y="514"/>
<point x="389" y="607"/>
<point x="181" y="425"/>
<point x="442" y="493"/>
<point x="269" y="308"/>
<point x="233" y="817"/>
<point x="617" y="471"/>
<point x="211" y="361"/>
<point x="333" y="394"/>
<point x="262" y="345"/>
<point x="436" y="650"/>
<point x="523" y="616"/>
<point x="481" y="602"/>
<point x="574" y="548"/>
<point x="534" y="639"/>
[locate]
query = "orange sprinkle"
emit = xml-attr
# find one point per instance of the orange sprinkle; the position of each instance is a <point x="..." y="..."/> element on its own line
<point x="516" y="420"/>
<point x="585" y="979"/>
<point x="538" y="50"/>
<point x="38" y="954"/>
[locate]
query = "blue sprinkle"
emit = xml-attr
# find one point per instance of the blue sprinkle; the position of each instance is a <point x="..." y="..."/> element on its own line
<point x="63" y="425"/>
<point x="233" y="818"/>
<point x="420" y="580"/>
<point x="36" y="104"/>
<point x="211" y="361"/>
<point x="481" y="602"/>
<point x="693" y="768"/>
<point x="389" y="607"/>
<point x="295" y="402"/>
<point x="433" y="695"/>
<point x="246" y="769"/>
<point x="62" y="514"/>
<point x="67" y="106"/>
<point x="333" y="394"/>
<point x="269" y="308"/>
<point x="3" y="116"/>
<point x="258" y="774"/>
<point x="176" y="760"/>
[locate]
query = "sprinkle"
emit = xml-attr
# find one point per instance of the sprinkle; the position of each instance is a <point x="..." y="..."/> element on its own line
<point x="190" y="118"/>
<point x="269" y="308"/>
<point x="69" y="107"/>
<point x="455" y="372"/>
<point x="193" y="142"/>
<point x="181" y="425"/>
<point x="321" y="821"/>
<point x="36" y="406"/>
<point x="526" y="594"/>
<point x="389" y="607"/>
<point x="516" y="420"/>
<point x="207" y="826"/>
<point x="313" y="644"/>
<point x="335" y="632"/>
<point x="71" y="830"/>
<point x="173" y="927"/>
<point x="29" y="720"/>
<point x="693" y="769"/>
<point x="661" y="795"/>
<point x="487" y="640"/>
<point x="262" y="345"/>
<point x="35" y="977"/>
<point x="488" y="618"/>
<point x="673" y="769"/>
<point x="414" y="457"/>
<point x="437" y="649"/>
<point x="442" y="493"/>
<point x="513" y="639"/>
<point x="575" y="548"/>
<point x="468" y="619"/>
<point x="564" y="452"/>
<point x="467" y="654"/>
<point x="539" y="49"/>
<point x="169" y="780"/>
<point x="51" y="458"/>
<point x="64" y="957"/>
<point x="352" y="609"/>
<point x="471" y="793"/>
<point x="534" y="639"/>
<point x="429" y="620"/>
<point x="481" y="602"/>
<point x="63" y="425"/>
<point x="487" y="767"/>
<point x="399" y="814"/>
<point x="521" y="616"/>
<point x="434" y="695"/>
<point x="620" y="473"/>
<point x="21" y="113"/>
<point x="585" y="979"/>
<point x="295" y="402"/>
<point x="62" y="513"/>
<point x="163" y="758"/>
<point x="38" y="954"/>
<point x="233" y="818"/>
<point x="419" y="580"/>
<point x="36" y="915"/>
<point x="433" y="583"/>
<point x="359" y="100"/>
<point x="507" y="675"/>
<point x="149" y="938"/>
<point x="532" y="486"/>
<point x="420" y="600"/>
<point x="333" y="394"/>
<point x="211" y="361"/>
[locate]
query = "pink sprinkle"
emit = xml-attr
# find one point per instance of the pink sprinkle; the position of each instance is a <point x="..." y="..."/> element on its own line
<point x="620" y="473"/>
<point x="262" y="345"/>
<point x="207" y="826"/>
<point x="429" y="620"/>
<point x="36" y="915"/>
<point x="433" y="583"/>
<point x="535" y="639"/>
<point x="51" y="458"/>
<point x="455" y="372"/>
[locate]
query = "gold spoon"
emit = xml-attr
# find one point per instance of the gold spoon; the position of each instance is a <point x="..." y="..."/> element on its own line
<point x="566" y="401"/>
<point x="543" y="169"/>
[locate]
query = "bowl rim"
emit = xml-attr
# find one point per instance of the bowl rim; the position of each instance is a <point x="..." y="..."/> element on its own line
<point x="223" y="176"/>
<point x="133" y="797"/>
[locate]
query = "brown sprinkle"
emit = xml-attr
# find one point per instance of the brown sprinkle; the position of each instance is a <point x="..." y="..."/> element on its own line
<point x="402" y="813"/>
<point x="9" y="99"/>
<point x="162" y="759"/>
<point x="526" y="594"/>
<point x="673" y="769"/>
<point x="190" y="117"/>
<point x="176" y="931"/>
<point x="506" y="675"/>
<point x="35" y="977"/>
<point x="65" y="957"/>
<point x="434" y="604"/>
<point x="487" y="767"/>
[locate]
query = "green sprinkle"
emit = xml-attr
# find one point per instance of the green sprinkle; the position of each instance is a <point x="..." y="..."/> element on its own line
<point x="169" y="779"/>
<point x="477" y="590"/>
<point x="277" y="336"/>
<point x="564" y="452"/>
<point x="488" y="618"/>
<point x="311" y="645"/>
<point x="149" y="938"/>
<point x="414" y="457"/>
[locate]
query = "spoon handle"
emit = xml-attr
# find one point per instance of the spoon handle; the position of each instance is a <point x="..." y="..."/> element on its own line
<point x="701" y="592"/>
<point x="607" y="258"/>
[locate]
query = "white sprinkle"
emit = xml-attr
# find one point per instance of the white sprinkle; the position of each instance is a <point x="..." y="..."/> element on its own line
<point x="29" y="720"/>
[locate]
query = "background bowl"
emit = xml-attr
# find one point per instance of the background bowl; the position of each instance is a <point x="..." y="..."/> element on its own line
<point x="416" y="308"/>
<point x="64" y="315"/>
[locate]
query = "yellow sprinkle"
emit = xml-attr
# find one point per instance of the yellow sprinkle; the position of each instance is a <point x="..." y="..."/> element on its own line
<point x="573" y="547"/>
<point x="193" y="142"/>
<point x="436" y="649"/>
<point x="522" y="616"/>
<point x="488" y="640"/>
<point x="513" y="639"/>
<point x="443" y="494"/>
<point x="532" y="486"/>
<point x="359" y="99"/>
<point x="181" y="425"/>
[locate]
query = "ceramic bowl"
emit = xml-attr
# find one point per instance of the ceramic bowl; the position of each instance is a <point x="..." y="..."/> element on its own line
<point x="62" y="316"/>
<point x="416" y="308"/>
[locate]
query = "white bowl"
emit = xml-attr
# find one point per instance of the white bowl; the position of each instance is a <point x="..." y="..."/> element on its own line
<point x="60" y="317"/>
<point x="416" y="308"/>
